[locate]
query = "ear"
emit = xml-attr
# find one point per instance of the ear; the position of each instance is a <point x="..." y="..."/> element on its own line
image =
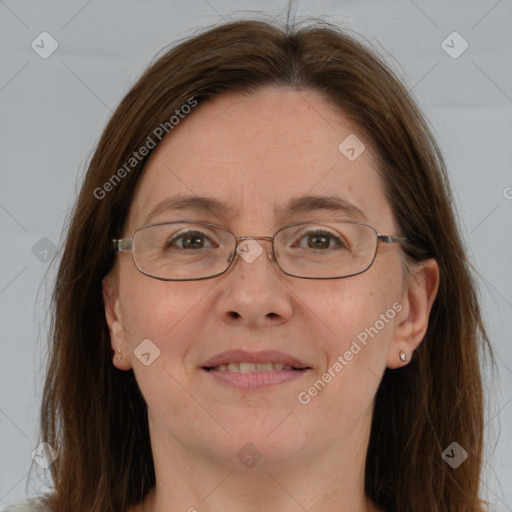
<point x="418" y="295"/>
<point x="118" y="335"/>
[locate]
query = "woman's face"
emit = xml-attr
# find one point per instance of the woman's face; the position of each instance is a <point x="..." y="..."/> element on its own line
<point x="255" y="154"/>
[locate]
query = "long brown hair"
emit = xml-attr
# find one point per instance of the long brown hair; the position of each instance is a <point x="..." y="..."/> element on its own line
<point x="94" y="415"/>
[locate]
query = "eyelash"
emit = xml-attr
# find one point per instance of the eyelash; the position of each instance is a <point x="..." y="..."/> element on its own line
<point x="339" y="241"/>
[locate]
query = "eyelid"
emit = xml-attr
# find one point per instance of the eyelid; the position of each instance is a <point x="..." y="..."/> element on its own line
<point x="311" y="228"/>
<point x="193" y="231"/>
<point x="303" y="231"/>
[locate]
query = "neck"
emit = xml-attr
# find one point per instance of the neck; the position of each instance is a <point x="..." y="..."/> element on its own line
<point x="328" y="480"/>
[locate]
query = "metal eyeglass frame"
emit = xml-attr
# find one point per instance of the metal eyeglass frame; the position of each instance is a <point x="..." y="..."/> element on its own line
<point x="126" y="245"/>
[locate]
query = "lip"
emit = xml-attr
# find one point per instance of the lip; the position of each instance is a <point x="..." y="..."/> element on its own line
<point x="265" y="356"/>
<point x="254" y="380"/>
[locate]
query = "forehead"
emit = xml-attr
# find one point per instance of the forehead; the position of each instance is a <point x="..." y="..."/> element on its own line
<point x="257" y="155"/>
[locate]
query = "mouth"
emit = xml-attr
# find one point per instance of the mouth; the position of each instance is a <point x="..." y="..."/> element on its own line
<point x="247" y="367"/>
<point x="254" y="370"/>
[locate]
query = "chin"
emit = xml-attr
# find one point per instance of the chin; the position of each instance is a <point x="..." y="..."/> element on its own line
<point x="255" y="445"/>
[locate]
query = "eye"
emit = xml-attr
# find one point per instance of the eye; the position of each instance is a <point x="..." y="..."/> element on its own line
<point x="189" y="240"/>
<point x="322" y="239"/>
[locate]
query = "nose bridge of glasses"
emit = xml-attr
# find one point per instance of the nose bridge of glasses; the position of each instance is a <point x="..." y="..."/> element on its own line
<point x="240" y="239"/>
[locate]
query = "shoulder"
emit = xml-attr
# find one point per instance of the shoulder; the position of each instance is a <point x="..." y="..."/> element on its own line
<point x="30" y="505"/>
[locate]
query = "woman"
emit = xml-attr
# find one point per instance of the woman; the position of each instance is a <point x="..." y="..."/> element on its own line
<point x="263" y="301"/>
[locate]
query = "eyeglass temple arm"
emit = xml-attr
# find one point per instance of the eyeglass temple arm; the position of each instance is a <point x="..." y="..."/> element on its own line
<point x="123" y="244"/>
<point x="390" y="239"/>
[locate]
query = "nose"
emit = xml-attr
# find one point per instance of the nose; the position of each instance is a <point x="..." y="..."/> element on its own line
<point x="253" y="289"/>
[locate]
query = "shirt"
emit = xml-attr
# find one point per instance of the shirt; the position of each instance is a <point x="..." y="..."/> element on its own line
<point x="30" y="505"/>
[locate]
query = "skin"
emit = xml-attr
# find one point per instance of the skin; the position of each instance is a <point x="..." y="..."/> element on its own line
<point x="255" y="152"/>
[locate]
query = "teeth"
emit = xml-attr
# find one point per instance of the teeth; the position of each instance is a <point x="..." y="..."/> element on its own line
<point x="247" y="367"/>
<point x="252" y="367"/>
<point x="263" y="367"/>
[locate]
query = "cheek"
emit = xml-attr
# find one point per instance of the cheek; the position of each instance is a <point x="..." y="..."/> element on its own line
<point x="151" y="308"/>
<point x="356" y="319"/>
<point x="171" y="316"/>
<point x="157" y="315"/>
<point x="347" y="308"/>
<point x="359" y="317"/>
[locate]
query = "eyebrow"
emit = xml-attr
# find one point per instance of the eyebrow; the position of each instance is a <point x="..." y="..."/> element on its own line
<point x="306" y="204"/>
<point x="296" y="205"/>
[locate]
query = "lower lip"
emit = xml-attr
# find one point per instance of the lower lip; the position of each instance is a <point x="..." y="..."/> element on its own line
<point x="255" y="380"/>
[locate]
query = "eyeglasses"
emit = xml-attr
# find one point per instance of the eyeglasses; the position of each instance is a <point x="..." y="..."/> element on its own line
<point x="187" y="250"/>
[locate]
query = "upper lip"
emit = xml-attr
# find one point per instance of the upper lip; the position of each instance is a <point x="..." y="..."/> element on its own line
<point x="265" y="356"/>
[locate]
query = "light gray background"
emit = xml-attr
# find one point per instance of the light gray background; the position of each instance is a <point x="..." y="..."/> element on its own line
<point x="53" y="111"/>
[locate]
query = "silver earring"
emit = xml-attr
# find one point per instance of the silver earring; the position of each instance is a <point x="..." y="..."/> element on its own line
<point x="403" y="357"/>
<point x="119" y="355"/>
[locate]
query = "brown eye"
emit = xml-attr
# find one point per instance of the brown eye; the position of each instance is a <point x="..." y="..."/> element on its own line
<point x="189" y="240"/>
<point x="321" y="239"/>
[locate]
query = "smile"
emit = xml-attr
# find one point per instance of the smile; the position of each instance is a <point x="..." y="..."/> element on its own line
<point x="247" y="370"/>
<point x="252" y="367"/>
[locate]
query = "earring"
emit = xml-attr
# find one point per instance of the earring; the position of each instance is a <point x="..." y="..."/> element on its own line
<point x="119" y="355"/>
<point x="403" y="357"/>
